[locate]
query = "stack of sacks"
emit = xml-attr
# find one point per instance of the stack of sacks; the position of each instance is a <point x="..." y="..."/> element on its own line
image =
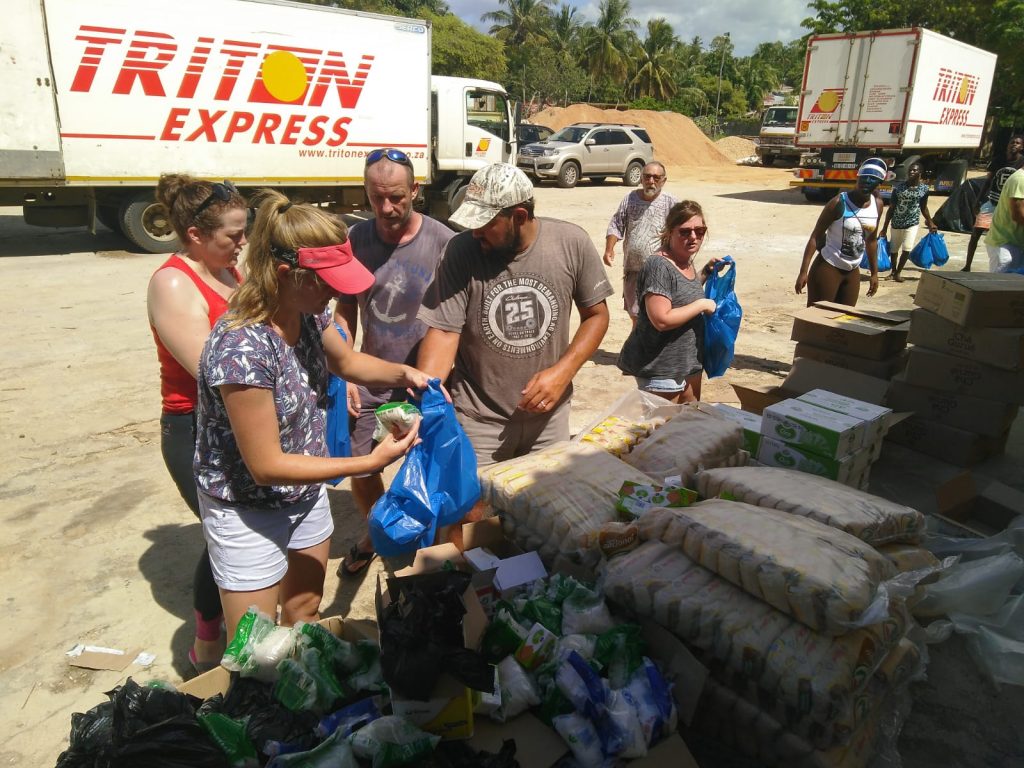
<point x="824" y="433"/>
<point x="688" y="442"/>
<point x="965" y="375"/>
<point x="793" y="618"/>
<point x="871" y="519"/>
<point x="553" y="500"/>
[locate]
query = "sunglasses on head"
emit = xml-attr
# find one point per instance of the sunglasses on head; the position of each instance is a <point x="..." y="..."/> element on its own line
<point x="394" y="155"/>
<point x="697" y="232"/>
<point x="221" y="191"/>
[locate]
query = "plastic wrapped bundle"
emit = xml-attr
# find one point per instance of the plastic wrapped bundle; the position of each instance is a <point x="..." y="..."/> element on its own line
<point x="908" y="557"/>
<point x="618" y="435"/>
<point x="688" y="442"/>
<point x="820" y="576"/>
<point x="557" y="496"/>
<point x="870" y="518"/>
<point x="813" y="678"/>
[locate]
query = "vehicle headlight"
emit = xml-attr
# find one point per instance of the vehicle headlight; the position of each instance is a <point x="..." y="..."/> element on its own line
<point x="549" y="152"/>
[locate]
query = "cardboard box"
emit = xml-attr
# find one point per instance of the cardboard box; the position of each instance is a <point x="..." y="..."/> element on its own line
<point x="817" y="430"/>
<point x="217" y="680"/>
<point x="751" y="423"/>
<point x="875" y="416"/>
<point x="973" y="414"/>
<point x="536" y="744"/>
<point x="860" y="332"/>
<point x="880" y="369"/>
<point x="848" y="469"/>
<point x="999" y="347"/>
<point x="449" y="711"/>
<point x="982" y="508"/>
<point x="806" y="375"/>
<point x="950" y="444"/>
<point x="486" y="550"/>
<point x="927" y="368"/>
<point x="981" y="299"/>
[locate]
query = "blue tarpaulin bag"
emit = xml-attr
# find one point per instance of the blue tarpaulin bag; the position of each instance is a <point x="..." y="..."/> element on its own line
<point x="338" y="442"/>
<point x="931" y="250"/>
<point x="884" y="257"/>
<point x="435" y="486"/>
<point x="721" y="328"/>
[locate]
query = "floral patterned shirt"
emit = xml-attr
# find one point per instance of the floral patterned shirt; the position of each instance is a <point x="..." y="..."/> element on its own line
<point x="257" y="356"/>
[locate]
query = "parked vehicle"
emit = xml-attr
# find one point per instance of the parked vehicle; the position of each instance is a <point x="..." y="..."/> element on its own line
<point x="589" y="150"/>
<point x="100" y="98"/>
<point x="900" y="94"/>
<point x="527" y="133"/>
<point x="776" y="138"/>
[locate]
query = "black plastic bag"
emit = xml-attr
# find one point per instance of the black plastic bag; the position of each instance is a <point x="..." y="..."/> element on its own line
<point x="268" y="720"/>
<point x="957" y="213"/>
<point x="90" y="736"/>
<point x="421" y="635"/>
<point x="458" y="754"/>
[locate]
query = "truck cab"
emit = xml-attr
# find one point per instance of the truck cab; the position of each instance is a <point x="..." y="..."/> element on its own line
<point x="777" y="134"/>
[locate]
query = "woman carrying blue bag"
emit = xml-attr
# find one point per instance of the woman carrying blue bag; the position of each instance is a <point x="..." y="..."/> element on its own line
<point x="665" y="350"/>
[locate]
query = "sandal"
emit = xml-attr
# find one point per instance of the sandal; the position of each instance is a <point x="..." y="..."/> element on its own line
<point x="201" y="667"/>
<point x="356" y="562"/>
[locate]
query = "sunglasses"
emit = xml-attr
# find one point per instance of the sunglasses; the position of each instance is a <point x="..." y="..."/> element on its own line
<point x="697" y="232"/>
<point x="221" y="191"/>
<point x="394" y="155"/>
<point x="652" y="176"/>
<point x="871" y="181"/>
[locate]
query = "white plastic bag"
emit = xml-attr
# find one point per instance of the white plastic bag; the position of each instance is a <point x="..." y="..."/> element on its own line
<point x="976" y="588"/>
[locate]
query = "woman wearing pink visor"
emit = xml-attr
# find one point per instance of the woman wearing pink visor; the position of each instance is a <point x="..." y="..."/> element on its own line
<point x="261" y="458"/>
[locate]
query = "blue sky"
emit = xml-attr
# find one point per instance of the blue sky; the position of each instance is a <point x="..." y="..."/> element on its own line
<point x="748" y="22"/>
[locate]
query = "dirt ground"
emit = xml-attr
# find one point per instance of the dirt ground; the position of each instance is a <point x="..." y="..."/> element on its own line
<point x="97" y="547"/>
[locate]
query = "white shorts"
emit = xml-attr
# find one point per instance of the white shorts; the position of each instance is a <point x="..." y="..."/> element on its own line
<point x="1006" y="257"/>
<point x="902" y="239"/>
<point x="249" y="546"/>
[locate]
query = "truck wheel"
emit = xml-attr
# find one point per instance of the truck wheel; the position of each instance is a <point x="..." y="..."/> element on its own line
<point x="767" y="161"/>
<point x="145" y="222"/>
<point x="568" y="175"/>
<point x="110" y="217"/>
<point x="633" y="174"/>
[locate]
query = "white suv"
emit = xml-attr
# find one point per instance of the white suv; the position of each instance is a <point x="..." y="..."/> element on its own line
<point x="591" y="150"/>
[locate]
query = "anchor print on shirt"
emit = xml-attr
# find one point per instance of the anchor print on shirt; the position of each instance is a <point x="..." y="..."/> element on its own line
<point x="393" y="288"/>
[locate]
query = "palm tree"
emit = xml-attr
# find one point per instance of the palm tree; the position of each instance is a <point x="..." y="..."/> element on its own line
<point x="524" y="20"/>
<point x="654" y="59"/>
<point x="565" y="29"/>
<point x="606" y="43"/>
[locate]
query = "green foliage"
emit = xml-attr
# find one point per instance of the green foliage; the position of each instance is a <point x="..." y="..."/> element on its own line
<point x="460" y="51"/>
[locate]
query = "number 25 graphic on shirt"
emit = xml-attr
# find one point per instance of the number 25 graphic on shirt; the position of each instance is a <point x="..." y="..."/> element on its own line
<point x="519" y="315"/>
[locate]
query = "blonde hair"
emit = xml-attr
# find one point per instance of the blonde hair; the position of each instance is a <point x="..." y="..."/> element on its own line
<point x="182" y="195"/>
<point x="283" y="224"/>
<point x="682" y="211"/>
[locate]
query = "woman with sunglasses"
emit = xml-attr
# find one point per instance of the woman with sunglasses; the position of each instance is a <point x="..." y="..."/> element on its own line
<point x="845" y="230"/>
<point x="664" y="351"/>
<point x="261" y="456"/>
<point x="187" y="294"/>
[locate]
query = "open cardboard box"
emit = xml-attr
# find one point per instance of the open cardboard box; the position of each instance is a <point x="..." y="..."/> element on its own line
<point x="807" y="375"/>
<point x="853" y="331"/>
<point x="983" y="511"/>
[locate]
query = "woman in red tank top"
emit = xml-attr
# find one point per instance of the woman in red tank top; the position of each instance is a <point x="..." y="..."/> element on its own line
<point x="186" y="296"/>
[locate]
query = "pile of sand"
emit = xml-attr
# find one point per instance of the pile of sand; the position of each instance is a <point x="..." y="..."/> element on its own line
<point x="735" y="147"/>
<point x="678" y="142"/>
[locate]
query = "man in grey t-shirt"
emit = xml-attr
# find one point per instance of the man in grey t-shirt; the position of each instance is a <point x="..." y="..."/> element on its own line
<point x="638" y="222"/>
<point x="401" y="247"/>
<point x="498" y="313"/>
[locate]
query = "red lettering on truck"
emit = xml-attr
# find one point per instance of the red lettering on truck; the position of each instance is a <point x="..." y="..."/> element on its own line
<point x="140" y="66"/>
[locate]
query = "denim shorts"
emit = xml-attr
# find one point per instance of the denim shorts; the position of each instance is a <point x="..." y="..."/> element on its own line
<point x="660" y="385"/>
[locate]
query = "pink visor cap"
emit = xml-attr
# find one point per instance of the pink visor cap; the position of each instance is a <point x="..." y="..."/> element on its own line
<point x="334" y="264"/>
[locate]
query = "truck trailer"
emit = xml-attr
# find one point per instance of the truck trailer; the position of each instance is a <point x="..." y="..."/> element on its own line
<point x="101" y="97"/>
<point x="899" y="94"/>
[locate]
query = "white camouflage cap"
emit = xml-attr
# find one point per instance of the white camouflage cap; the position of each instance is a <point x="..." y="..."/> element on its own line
<point x="492" y="189"/>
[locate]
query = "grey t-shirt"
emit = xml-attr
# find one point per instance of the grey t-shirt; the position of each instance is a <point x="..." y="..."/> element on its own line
<point x="513" y="316"/>
<point x="673" y="354"/>
<point x="387" y="309"/>
<point x="639" y="224"/>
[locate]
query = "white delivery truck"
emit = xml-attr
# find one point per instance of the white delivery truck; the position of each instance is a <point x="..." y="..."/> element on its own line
<point x="897" y="94"/>
<point x="101" y="97"/>
<point x="776" y="139"/>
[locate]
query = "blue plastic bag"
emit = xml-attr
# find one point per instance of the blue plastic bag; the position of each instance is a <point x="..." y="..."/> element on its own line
<point x="435" y="486"/>
<point x="931" y="250"/>
<point x="721" y="328"/>
<point x="883" y="256"/>
<point x="338" y="443"/>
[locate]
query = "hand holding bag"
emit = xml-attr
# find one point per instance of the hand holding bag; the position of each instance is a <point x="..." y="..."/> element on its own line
<point x="721" y="328"/>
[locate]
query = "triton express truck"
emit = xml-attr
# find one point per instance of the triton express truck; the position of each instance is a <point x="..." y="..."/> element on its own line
<point x="101" y="97"/>
<point x="902" y="95"/>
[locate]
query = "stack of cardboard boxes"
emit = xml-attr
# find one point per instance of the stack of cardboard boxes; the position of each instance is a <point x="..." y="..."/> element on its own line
<point x="819" y="432"/>
<point x="964" y="378"/>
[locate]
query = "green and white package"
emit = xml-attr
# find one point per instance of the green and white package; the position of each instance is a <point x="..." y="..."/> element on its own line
<point x="847" y="470"/>
<point x="874" y="415"/>
<point x="750" y="422"/>
<point x="826" y="433"/>
<point x="394" y="418"/>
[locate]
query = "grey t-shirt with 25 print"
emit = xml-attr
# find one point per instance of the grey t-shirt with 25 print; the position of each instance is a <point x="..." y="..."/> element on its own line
<point x="672" y="354"/>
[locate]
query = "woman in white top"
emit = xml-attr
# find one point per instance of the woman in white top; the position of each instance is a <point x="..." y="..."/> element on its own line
<point x="846" y="229"/>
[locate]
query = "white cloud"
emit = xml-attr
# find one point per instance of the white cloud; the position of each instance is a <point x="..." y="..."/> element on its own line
<point x="748" y="22"/>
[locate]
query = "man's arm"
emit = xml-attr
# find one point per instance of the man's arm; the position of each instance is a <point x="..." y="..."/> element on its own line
<point x="609" y="249"/>
<point x="544" y="391"/>
<point x="436" y="355"/>
<point x="1017" y="210"/>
